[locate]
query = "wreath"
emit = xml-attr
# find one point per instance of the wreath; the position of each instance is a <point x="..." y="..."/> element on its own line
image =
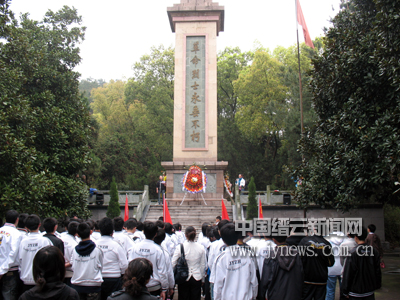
<point x="194" y="181"/>
<point x="227" y="185"/>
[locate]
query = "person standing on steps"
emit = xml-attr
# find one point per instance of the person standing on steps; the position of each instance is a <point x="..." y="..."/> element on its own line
<point x="160" y="189"/>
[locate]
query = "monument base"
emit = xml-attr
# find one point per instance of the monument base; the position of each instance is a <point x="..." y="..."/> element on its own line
<point x="215" y="182"/>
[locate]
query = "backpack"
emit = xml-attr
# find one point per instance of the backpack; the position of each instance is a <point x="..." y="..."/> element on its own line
<point x="181" y="269"/>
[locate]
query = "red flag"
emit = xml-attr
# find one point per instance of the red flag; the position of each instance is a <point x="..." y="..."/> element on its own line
<point x="302" y="22"/>
<point x="224" y="214"/>
<point x="260" y="213"/>
<point x="126" y="215"/>
<point x="166" y="215"/>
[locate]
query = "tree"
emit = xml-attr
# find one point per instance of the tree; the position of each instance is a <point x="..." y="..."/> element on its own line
<point x="252" y="211"/>
<point x="43" y="120"/>
<point x="87" y="85"/>
<point x="113" y="209"/>
<point x="352" y="155"/>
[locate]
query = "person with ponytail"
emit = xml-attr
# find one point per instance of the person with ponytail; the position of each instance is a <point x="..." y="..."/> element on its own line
<point x="135" y="279"/>
<point x="196" y="260"/>
<point x="49" y="272"/>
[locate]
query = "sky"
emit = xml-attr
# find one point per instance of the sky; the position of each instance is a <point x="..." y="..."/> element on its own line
<point x="119" y="32"/>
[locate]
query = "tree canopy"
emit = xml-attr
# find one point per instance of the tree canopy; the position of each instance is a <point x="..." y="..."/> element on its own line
<point x="43" y="121"/>
<point x="352" y="154"/>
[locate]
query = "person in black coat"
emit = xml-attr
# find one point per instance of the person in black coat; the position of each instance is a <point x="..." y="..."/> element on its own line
<point x="50" y="225"/>
<point x="135" y="279"/>
<point x="48" y="271"/>
<point x="282" y="273"/>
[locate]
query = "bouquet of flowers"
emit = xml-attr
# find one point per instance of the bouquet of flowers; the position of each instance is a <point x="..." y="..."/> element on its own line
<point x="194" y="181"/>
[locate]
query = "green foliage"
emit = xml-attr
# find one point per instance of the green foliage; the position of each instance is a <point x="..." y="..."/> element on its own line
<point x="43" y="121"/>
<point x="352" y="155"/>
<point x="87" y="85"/>
<point x="252" y="210"/>
<point x="392" y="223"/>
<point x="113" y="209"/>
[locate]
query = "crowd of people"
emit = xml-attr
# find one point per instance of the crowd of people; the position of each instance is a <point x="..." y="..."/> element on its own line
<point x="113" y="259"/>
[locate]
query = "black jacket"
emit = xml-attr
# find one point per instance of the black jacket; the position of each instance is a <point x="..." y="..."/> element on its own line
<point x="51" y="291"/>
<point x="121" y="295"/>
<point x="316" y="255"/>
<point x="56" y="241"/>
<point x="362" y="271"/>
<point x="282" y="275"/>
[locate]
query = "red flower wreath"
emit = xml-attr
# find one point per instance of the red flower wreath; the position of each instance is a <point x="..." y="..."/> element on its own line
<point x="194" y="181"/>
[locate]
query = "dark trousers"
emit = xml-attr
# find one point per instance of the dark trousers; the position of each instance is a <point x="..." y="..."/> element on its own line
<point x="10" y="286"/>
<point x="189" y="290"/>
<point x="207" y="292"/>
<point x="313" y="292"/>
<point x="109" y="286"/>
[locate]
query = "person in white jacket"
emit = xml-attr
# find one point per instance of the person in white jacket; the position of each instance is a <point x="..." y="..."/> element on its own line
<point x="158" y="283"/>
<point x="235" y="271"/>
<point x="70" y="243"/>
<point x="196" y="260"/>
<point x="170" y="273"/>
<point x="87" y="264"/>
<point x="28" y="248"/>
<point x="264" y="249"/>
<point x="10" y="239"/>
<point x="334" y="272"/>
<point x="120" y="237"/>
<point x="114" y="261"/>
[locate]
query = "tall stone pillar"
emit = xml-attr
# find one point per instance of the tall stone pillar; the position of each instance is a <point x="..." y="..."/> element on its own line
<point x="197" y="24"/>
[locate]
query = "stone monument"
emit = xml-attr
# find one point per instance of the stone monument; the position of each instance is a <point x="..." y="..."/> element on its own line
<point x="197" y="24"/>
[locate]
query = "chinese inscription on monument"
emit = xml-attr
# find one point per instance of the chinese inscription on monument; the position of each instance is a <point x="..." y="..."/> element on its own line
<point x="195" y="98"/>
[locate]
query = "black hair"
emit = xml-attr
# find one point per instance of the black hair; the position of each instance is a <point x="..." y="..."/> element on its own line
<point x="280" y="239"/>
<point x="168" y="228"/>
<point x="72" y="227"/>
<point x="204" y="228"/>
<point x="222" y="224"/>
<point x="130" y="224"/>
<point x="149" y="230"/>
<point x="178" y="226"/>
<point x="190" y="233"/>
<point x="216" y="232"/>
<point x="49" y="224"/>
<point x="161" y="219"/>
<point x="118" y="223"/>
<point x="228" y="234"/>
<point x="363" y="235"/>
<point x="96" y="225"/>
<point x="137" y="275"/>
<point x="160" y="224"/>
<point x="140" y="226"/>
<point x="160" y="236"/>
<point x="32" y="222"/>
<point x="21" y="221"/>
<point x="219" y="218"/>
<point x="83" y="230"/>
<point x="45" y="272"/>
<point x="106" y="226"/>
<point x="91" y="223"/>
<point x="11" y="216"/>
<point x="372" y="228"/>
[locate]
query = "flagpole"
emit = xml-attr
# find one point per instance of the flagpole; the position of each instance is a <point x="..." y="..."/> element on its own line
<point x="300" y="84"/>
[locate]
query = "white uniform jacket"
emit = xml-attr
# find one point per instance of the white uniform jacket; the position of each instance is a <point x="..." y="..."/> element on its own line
<point x="153" y="252"/>
<point x="69" y="247"/>
<point x="114" y="261"/>
<point x="170" y="272"/>
<point x="87" y="269"/>
<point x="10" y="239"/>
<point x="125" y="241"/>
<point x="28" y="248"/>
<point x="215" y="249"/>
<point x="235" y="275"/>
<point x="264" y="250"/>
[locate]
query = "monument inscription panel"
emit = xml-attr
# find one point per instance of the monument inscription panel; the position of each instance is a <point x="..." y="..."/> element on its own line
<point x="195" y="96"/>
